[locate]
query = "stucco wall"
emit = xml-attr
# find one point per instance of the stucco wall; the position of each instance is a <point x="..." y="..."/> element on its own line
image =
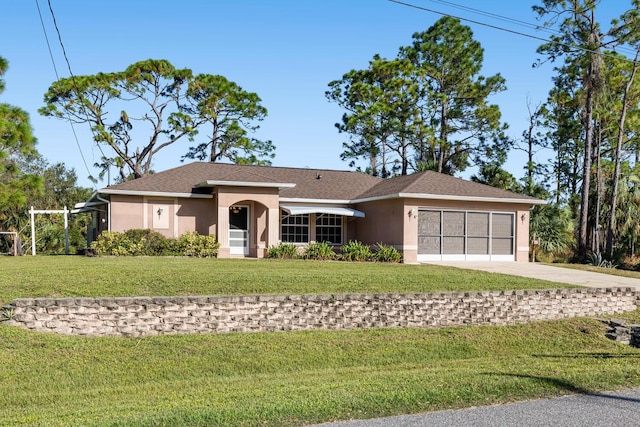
<point x="181" y="214"/>
<point x="383" y="222"/>
<point x="196" y="215"/>
<point x="127" y="212"/>
<point x="144" y="316"/>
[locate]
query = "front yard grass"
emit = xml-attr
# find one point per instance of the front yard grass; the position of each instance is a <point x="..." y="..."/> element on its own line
<point x="74" y="276"/>
<point x="283" y="378"/>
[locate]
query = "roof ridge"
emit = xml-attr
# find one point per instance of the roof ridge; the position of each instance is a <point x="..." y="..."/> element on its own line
<point x="308" y="168"/>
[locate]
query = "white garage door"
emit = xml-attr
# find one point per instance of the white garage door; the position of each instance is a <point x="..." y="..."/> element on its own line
<point x="445" y="235"/>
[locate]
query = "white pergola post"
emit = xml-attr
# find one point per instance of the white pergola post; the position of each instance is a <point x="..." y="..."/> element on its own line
<point x="33" y="232"/>
<point x="64" y="211"/>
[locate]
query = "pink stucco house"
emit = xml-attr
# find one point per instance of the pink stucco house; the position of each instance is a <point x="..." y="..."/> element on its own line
<point x="427" y="216"/>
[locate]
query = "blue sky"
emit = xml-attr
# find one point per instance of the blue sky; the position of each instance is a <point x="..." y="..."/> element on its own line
<point x="286" y="51"/>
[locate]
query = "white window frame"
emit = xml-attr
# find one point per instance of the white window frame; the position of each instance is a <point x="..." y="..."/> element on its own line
<point x="339" y="227"/>
<point x="285" y="217"/>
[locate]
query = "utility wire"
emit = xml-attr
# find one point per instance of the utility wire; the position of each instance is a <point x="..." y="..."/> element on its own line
<point x="55" y="69"/>
<point x="519" y="33"/>
<point x="516" y="21"/>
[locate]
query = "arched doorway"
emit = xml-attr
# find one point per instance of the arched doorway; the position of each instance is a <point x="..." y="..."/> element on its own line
<point x="239" y="229"/>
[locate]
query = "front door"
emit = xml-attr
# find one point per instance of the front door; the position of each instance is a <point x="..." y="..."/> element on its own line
<point x="239" y="230"/>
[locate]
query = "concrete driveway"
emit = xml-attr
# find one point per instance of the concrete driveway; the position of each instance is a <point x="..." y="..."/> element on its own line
<point x="548" y="272"/>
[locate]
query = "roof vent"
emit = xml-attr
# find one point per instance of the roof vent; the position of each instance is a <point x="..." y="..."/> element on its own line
<point x="318" y="176"/>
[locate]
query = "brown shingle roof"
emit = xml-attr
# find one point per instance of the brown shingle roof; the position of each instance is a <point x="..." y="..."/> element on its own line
<point x="438" y="184"/>
<point x="332" y="184"/>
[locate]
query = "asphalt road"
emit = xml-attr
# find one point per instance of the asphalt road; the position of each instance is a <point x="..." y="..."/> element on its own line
<point x="613" y="409"/>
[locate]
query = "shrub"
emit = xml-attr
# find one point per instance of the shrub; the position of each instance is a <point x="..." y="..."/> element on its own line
<point x="154" y="242"/>
<point x="196" y="245"/>
<point x="283" y="251"/>
<point x="138" y="242"/>
<point x="118" y="244"/>
<point x="383" y="253"/>
<point x="319" y="251"/>
<point x="356" y="251"/>
<point x="596" y="259"/>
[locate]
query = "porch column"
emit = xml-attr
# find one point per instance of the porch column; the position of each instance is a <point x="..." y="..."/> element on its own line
<point x="273" y="227"/>
<point x="522" y="235"/>
<point x="223" y="232"/>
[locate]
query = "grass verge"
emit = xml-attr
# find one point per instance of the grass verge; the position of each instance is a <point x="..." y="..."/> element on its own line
<point x="298" y="378"/>
<point x="611" y="271"/>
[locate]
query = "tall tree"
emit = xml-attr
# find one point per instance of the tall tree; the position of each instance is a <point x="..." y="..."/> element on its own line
<point x="580" y="40"/>
<point x="148" y="94"/>
<point x="454" y="97"/>
<point x="16" y="143"/>
<point x="627" y="31"/>
<point x="426" y="109"/>
<point x="232" y="114"/>
<point x="630" y="96"/>
<point x="369" y="97"/>
<point x="495" y="176"/>
<point x="534" y="141"/>
<point x="562" y="119"/>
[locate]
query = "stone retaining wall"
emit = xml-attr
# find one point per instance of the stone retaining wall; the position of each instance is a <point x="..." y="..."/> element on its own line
<point x="143" y="316"/>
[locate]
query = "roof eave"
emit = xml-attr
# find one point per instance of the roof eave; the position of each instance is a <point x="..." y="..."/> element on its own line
<point x="319" y="201"/>
<point x="451" y="197"/>
<point x="154" y="194"/>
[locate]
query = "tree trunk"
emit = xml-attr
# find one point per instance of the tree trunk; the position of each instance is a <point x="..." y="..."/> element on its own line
<point x="443" y="136"/>
<point x="618" y="154"/>
<point x="595" y="246"/>
<point x="586" y="168"/>
<point x="591" y="83"/>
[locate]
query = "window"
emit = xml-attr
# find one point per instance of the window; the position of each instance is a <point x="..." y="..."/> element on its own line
<point x="329" y="228"/>
<point x="295" y="228"/>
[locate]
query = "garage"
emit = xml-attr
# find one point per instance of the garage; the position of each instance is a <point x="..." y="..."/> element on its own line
<point x="464" y="235"/>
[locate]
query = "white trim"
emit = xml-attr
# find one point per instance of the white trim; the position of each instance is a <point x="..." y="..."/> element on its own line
<point x="463" y="258"/>
<point x="246" y="236"/>
<point x="334" y="210"/>
<point x="155" y="194"/>
<point x="213" y="183"/>
<point x="282" y="186"/>
<point x="450" y="197"/>
<point x="321" y="201"/>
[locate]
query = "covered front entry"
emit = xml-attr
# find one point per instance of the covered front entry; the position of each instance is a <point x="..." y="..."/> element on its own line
<point x="458" y="235"/>
<point x="239" y="230"/>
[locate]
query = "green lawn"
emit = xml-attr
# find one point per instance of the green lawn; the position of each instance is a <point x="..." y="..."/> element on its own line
<point x="283" y="378"/>
<point x="70" y="276"/>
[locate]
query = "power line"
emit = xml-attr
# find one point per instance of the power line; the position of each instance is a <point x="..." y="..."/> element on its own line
<point x="515" y="21"/>
<point x="55" y="69"/>
<point x="494" y="15"/>
<point x="519" y="33"/>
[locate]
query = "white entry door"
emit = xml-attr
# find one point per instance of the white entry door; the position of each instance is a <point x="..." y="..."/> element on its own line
<point x="239" y="230"/>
